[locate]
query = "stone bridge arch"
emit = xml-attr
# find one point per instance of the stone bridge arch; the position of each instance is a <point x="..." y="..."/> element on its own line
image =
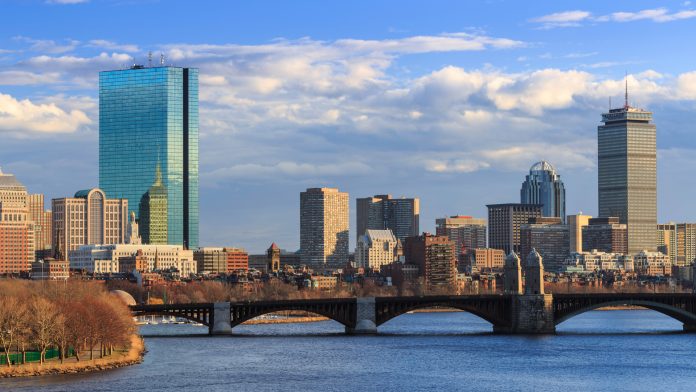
<point x="200" y="313"/>
<point x="341" y="310"/>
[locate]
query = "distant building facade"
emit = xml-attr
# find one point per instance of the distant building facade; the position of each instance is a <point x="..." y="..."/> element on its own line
<point x="504" y="221"/>
<point x="598" y="261"/>
<point x="382" y="212"/>
<point x="89" y="218"/>
<point x="374" y="249"/>
<point x="627" y="169"/>
<point x="678" y="241"/>
<point x="575" y="225"/>
<point x="435" y="256"/>
<point x="606" y="235"/>
<point x="104" y="259"/>
<point x="543" y="186"/>
<point x="50" y="269"/>
<point x="42" y="220"/>
<point x="465" y="232"/>
<point x="483" y="259"/>
<point x="17" y="231"/>
<point x="549" y="237"/>
<point x="211" y="260"/>
<point x="653" y="264"/>
<point x="324" y="226"/>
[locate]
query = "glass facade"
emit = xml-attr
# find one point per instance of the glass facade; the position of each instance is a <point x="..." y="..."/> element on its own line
<point x="544" y="186"/>
<point x="148" y="121"/>
<point x="627" y="165"/>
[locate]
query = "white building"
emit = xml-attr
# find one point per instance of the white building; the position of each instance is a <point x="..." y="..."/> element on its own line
<point x="105" y="258"/>
<point x="375" y="248"/>
<point x="653" y="263"/>
<point x="599" y="261"/>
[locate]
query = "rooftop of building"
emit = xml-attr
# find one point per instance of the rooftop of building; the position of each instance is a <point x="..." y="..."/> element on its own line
<point x="9" y="181"/>
<point x="542" y="166"/>
<point x="380" y="235"/>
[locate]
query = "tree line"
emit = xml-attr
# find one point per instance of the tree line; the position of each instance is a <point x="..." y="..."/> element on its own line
<point x="72" y="317"/>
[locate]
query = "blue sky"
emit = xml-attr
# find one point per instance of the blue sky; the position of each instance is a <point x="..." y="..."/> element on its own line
<point x="449" y="101"/>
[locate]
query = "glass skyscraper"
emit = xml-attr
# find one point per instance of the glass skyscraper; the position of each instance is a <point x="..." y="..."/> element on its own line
<point x="544" y="186"/>
<point x="148" y="138"/>
<point x="627" y="160"/>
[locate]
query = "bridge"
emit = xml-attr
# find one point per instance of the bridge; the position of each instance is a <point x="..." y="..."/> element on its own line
<point x="515" y="313"/>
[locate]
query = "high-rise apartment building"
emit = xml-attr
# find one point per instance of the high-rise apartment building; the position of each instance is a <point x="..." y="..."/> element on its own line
<point x="324" y="227"/>
<point x="89" y="218"/>
<point x="374" y="249"/>
<point x="627" y="164"/>
<point x="42" y="225"/>
<point x="543" y="186"/>
<point x="504" y="221"/>
<point x="464" y="231"/>
<point x="678" y="241"/>
<point x="16" y="229"/>
<point x="549" y="237"/>
<point x="382" y="212"/>
<point x="435" y="257"/>
<point x="606" y="235"/>
<point x="148" y="134"/>
<point x="575" y="225"/>
<point x="210" y="260"/>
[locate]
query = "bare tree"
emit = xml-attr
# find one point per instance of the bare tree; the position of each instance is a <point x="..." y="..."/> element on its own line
<point x="13" y="315"/>
<point x="43" y="320"/>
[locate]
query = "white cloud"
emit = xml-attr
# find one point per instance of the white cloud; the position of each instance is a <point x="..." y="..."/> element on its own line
<point x="23" y="116"/>
<point x="686" y="85"/>
<point x="21" y="78"/>
<point x="49" y="46"/>
<point x="578" y="18"/>
<point x="286" y="168"/>
<point x="110" y="45"/>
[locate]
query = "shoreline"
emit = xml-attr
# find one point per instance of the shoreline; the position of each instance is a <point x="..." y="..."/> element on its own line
<point x="134" y="356"/>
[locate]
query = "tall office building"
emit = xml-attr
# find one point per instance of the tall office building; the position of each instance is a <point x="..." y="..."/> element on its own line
<point x="89" y="218"/>
<point x="606" y="235"/>
<point x="627" y="160"/>
<point x="550" y="237"/>
<point x="667" y="240"/>
<point x="382" y="212"/>
<point x="544" y="186"/>
<point x="575" y="225"/>
<point x="374" y="249"/>
<point x="434" y="256"/>
<point x="504" y="221"/>
<point x="154" y="215"/>
<point x="678" y="241"/>
<point x="16" y="229"/>
<point x="464" y="231"/>
<point x="42" y="225"/>
<point x="148" y="121"/>
<point x="324" y="227"/>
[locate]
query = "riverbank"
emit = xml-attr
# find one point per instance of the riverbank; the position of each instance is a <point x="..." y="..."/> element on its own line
<point x="118" y="359"/>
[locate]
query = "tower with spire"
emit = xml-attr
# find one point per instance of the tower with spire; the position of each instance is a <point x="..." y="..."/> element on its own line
<point x="153" y="212"/>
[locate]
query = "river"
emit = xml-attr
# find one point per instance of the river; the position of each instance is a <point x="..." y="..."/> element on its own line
<point x="623" y="350"/>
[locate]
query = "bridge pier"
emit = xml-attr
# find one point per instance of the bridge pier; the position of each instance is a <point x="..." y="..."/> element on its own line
<point x="220" y="323"/>
<point x="366" y="320"/>
<point x="531" y="314"/>
<point x="690" y="328"/>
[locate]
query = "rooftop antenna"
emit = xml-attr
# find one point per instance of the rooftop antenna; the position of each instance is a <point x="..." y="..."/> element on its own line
<point x="626" y="93"/>
<point x="149" y="59"/>
<point x="161" y="58"/>
<point x="609" y="103"/>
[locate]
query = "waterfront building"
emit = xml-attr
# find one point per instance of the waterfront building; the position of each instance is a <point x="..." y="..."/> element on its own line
<point x="210" y="260"/>
<point x="653" y="263"/>
<point x="606" y="235"/>
<point x="465" y="232"/>
<point x="382" y="212"/>
<point x="435" y="256"/>
<point x="627" y="168"/>
<point x="104" y="259"/>
<point x="549" y="237"/>
<point x="148" y="121"/>
<point x="678" y="241"/>
<point x="88" y="218"/>
<point x="324" y="227"/>
<point x="504" y="221"/>
<point x="42" y="225"/>
<point x="237" y="260"/>
<point x="16" y="229"/>
<point x="543" y="186"/>
<point x="50" y="269"/>
<point x="575" y="225"/>
<point x="374" y="249"/>
<point x="598" y="261"/>
<point x="483" y="260"/>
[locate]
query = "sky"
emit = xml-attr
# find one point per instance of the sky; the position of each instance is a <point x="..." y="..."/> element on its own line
<point x="449" y="101"/>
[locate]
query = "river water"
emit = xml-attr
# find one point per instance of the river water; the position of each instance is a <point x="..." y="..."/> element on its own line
<point x="636" y="350"/>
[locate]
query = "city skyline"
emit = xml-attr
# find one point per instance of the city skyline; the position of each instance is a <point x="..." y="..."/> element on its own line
<point x="269" y="135"/>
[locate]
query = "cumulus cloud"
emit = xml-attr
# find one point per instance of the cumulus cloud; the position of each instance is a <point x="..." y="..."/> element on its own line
<point x="22" y="78"/>
<point x="49" y="46"/>
<point x="562" y="19"/>
<point x="21" y="116"/>
<point x="110" y="45"/>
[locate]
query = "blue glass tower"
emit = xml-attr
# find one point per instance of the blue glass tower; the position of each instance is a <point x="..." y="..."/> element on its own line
<point x="544" y="186"/>
<point x="148" y="127"/>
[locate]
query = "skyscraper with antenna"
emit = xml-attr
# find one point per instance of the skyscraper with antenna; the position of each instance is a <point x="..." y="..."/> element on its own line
<point x="627" y="172"/>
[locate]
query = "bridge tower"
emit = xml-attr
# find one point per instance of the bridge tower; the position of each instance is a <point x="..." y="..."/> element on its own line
<point x="534" y="274"/>
<point x="513" y="274"/>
